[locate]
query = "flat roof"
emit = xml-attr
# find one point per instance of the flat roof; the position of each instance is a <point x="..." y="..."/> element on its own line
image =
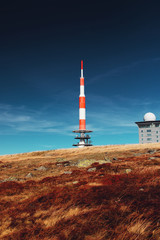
<point x="82" y="131"/>
<point x="147" y="122"/>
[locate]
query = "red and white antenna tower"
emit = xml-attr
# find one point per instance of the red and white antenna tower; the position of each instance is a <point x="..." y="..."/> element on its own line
<point x="82" y="116"/>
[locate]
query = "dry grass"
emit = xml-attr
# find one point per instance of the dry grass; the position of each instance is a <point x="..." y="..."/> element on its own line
<point x="68" y="202"/>
<point x="139" y="227"/>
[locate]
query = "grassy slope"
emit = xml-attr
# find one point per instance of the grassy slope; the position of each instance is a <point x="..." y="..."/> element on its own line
<point x="67" y="202"/>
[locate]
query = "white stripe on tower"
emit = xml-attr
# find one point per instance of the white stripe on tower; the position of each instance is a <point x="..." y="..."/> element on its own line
<point x="82" y="113"/>
<point x="82" y="107"/>
<point x="82" y="90"/>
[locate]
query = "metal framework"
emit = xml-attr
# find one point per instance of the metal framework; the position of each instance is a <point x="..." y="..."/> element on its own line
<point x="83" y="137"/>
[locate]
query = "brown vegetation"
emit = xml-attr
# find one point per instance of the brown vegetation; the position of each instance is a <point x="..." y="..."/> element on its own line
<point x="96" y="193"/>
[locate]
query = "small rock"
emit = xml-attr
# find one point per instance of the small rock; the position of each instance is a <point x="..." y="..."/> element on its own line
<point x="141" y="189"/>
<point x="59" y="164"/>
<point x="73" y="164"/>
<point x="42" y="168"/>
<point x="66" y="164"/>
<point x="75" y="182"/>
<point x="67" y="172"/>
<point x="107" y="160"/>
<point x="29" y="175"/>
<point x="61" y="160"/>
<point x="152" y="158"/>
<point x="128" y="170"/>
<point x="151" y="151"/>
<point x="10" y="179"/>
<point x="91" y="169"/>
<point x="114" y="158"/>
<point x="137" y="154"/>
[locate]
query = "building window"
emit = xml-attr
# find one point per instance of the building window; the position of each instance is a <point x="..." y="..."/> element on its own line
<point x="156" y="125"/>
<point x="141" y="130"/>
<point x="145" y="126"/>
<point x="149" y="139"/>
<point x="141" y="135"/>
<point x="142" y="139"/>
<point x="157" y="136"/>
<point x="148" y="130"/>
<point x="157" y="132"/>
<point x="148" y="135"/>
<point x="157" y="140"/>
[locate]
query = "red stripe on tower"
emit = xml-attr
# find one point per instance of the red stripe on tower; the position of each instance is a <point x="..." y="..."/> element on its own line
<point x="81" y="64"/>
<point x="82" y="102"/>
<point x="81" y="81"/>
<point x="82" y="124"/>
<point x="82" y="107"/>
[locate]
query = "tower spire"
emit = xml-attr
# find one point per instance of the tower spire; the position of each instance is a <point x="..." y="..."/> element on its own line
<point x="82" y="116"/>
<point x="82" y="100"/>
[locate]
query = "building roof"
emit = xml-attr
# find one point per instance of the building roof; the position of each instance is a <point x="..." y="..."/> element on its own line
<point x="147" y="122"/>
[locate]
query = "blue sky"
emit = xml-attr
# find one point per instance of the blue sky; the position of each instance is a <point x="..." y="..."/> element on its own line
<point x="41" y="47"/>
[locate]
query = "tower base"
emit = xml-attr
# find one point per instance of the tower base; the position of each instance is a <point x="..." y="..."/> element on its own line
<point x="84" y="139"/>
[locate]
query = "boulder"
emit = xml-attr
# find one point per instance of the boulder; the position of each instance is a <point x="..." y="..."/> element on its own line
<point x="152" y="158"/>
<point x="92" y="169"/>
<point x="75" y="182"/>
<point x="66" y="164"/>
<point x="128" y="170"/>
<point x="29" y="175"/>
<point x="42" y="168"/>
<point x="67" y="172"/>
<point x="107" y="160"/>
<point x="10" y="179"/>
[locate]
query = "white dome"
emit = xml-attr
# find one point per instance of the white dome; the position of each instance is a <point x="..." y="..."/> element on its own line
<point x="149" y="117"/>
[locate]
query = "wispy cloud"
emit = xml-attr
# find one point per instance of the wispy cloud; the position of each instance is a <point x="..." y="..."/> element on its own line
<point x="21" y="119"/>
<point x="11" y="118"/>
<point x="118" y="70"/>
<point x="38" y="126"/>
<point x="16" y="120"/>
<point x="116" y="115"/>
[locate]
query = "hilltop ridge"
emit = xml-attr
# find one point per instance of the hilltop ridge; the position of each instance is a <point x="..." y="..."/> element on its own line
<point x="101" y="192"/>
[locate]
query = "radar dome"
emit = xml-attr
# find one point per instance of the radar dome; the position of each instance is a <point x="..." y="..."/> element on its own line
<point x="149" y="117"/>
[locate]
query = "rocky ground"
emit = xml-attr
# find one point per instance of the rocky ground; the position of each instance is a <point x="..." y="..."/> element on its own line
<point x="105" y="192"/>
